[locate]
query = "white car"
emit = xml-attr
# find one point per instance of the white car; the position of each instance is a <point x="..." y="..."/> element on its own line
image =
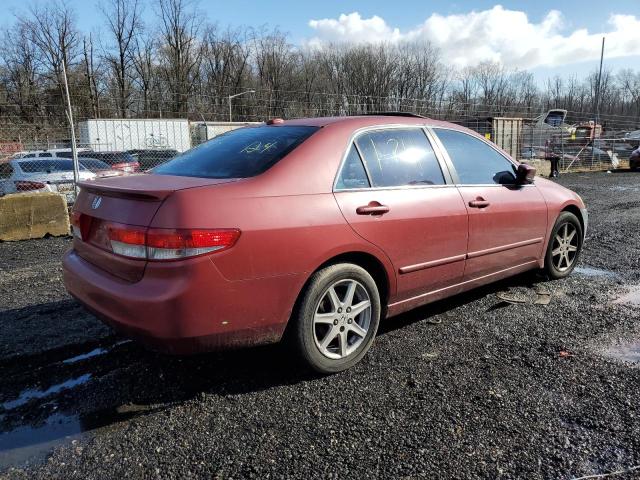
<point x="51" y="153"/>
<point x="40" y="175"/>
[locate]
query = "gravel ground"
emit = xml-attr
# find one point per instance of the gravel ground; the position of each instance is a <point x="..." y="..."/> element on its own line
<point x="470" y="387"/>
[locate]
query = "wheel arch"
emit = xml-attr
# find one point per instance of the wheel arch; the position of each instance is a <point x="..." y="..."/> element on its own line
<point x="367" y="261"/>
<point x="372" y="264"/>
<point x="576" y="211"/>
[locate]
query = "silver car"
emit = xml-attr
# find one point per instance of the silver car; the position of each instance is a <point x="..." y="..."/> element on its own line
<point x="40" y="175"/>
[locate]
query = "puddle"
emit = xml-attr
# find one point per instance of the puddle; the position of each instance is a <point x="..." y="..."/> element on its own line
<point x="632" y="297"/>
<point x="84" y="356"/>
<point x="30" y="394"/>
<point x="626" y="352"/>
<point x="31" y="444"/>
<point x="26" y="443"/>
<point x="94" y="353"/>
<point x="595" y="272"/>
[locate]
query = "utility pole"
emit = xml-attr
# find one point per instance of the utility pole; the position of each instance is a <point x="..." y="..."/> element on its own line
<point x="598" y="85"/>
<point x="74" y="150"/>
<point x="234" y="96"/>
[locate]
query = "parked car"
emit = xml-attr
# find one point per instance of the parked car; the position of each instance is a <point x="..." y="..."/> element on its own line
<point x="40" y="175"/>
<point x="116" y="160"/>
<point x="100" y="168"/>
<point x="51" y="153"/>
<point x="312" y="230"/>
<point x="152" y="158"/>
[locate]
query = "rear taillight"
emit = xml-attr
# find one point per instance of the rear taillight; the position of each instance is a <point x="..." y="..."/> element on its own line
<point x="166" y="244"/>
<point x="126" y="167"/>
<point x="23" y="185"/>
<point x="154" y="244"/>
<point x="126" y="240"/>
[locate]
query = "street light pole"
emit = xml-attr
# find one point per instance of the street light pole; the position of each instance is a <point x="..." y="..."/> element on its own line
<point x="234" y="96"/>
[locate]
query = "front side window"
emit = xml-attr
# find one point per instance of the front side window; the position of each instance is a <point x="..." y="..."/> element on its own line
<point x="353" y="174"/>
<point x="245" y="152"/>
<point x="476" y="162"/>
<point x="398" y="156"/>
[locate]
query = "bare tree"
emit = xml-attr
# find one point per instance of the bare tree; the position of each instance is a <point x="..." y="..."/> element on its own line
<point x="124" y="25"/>
<point x="51" y="28"/>
<point x="225" y="67"/>
<point x="145" y="72"/>
<point x="91" y="75"/>
<point x="180" y="51"/>
<point x="20" y="72"/>
<point x="275" y="62"/>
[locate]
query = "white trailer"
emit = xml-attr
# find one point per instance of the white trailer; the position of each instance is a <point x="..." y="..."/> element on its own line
<point x="204" y="131"/>
<point x="129" y="134"/>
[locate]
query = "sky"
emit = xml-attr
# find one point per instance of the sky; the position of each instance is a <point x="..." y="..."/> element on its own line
<point x="546" y="37"/>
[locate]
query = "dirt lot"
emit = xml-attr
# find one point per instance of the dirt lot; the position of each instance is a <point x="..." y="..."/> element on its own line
<point x="468" y="387"/>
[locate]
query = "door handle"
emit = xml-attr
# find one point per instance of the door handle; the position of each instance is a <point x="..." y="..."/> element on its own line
<point x="479" y="202"/>
<point x="374" y="208"/>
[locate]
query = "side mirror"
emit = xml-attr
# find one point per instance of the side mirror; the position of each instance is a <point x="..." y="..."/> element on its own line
<point x="525" y="174"/>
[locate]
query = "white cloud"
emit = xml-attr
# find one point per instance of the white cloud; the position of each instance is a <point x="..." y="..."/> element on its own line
<point x="497" y="34"/>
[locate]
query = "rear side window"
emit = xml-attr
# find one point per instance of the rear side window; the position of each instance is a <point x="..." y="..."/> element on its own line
<point x="46" y="166"/>
<point x="476" y="162"/>
<point x="245" y="152"/>
<point x="397" y="157"/>
<point x="353" y="174"/>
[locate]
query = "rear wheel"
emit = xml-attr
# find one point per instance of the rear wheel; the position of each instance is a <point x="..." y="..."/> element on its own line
<point x="564" y="247"/>
<point x="337" y="318"/>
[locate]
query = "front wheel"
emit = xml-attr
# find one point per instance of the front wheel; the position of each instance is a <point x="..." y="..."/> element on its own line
<point x="337" y="318"/>
<point x="564" y="246"/>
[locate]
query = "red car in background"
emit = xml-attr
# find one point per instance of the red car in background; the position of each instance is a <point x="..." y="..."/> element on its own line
<point x="122" y="161"/>
<point x="312" y="230"/>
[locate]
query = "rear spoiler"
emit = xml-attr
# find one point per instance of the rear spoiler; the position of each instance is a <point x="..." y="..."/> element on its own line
<point x="143" y="193"/>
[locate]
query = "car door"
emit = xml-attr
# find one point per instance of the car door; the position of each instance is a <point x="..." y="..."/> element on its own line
<point x="507" y="222"/>
<point x="399" y="200"/>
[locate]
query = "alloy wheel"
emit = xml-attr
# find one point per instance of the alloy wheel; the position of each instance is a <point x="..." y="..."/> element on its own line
<point x="565" y="247"/>
<point x="342" y="319"/>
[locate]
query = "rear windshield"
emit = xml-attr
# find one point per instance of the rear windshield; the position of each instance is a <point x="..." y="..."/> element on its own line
<point x="94" y="164"/>
<point x="111" y="157"/>
<point x="245" y="152"/>
<point x="47" y="166"/>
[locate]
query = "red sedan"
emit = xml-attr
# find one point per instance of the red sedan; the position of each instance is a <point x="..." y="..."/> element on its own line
<point x="312" y="230"/>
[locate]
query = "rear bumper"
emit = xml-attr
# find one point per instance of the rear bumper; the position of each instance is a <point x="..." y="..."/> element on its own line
<point x="184" y="307"/>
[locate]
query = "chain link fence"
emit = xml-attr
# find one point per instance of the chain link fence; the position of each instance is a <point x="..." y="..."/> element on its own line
<point x="36" y="155"/>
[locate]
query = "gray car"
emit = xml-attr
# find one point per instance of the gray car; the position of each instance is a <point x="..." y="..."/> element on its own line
<point x="40" y="175"/>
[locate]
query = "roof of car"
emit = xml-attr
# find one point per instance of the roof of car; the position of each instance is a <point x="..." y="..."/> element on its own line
<point x="361" y="121"/>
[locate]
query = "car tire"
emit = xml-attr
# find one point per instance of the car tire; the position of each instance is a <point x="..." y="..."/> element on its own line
<point x="565" y="245"/>
<point x="327" y="332"/>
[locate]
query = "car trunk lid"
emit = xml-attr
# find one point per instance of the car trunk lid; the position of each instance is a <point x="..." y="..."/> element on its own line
<point x="130" y="201"/>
